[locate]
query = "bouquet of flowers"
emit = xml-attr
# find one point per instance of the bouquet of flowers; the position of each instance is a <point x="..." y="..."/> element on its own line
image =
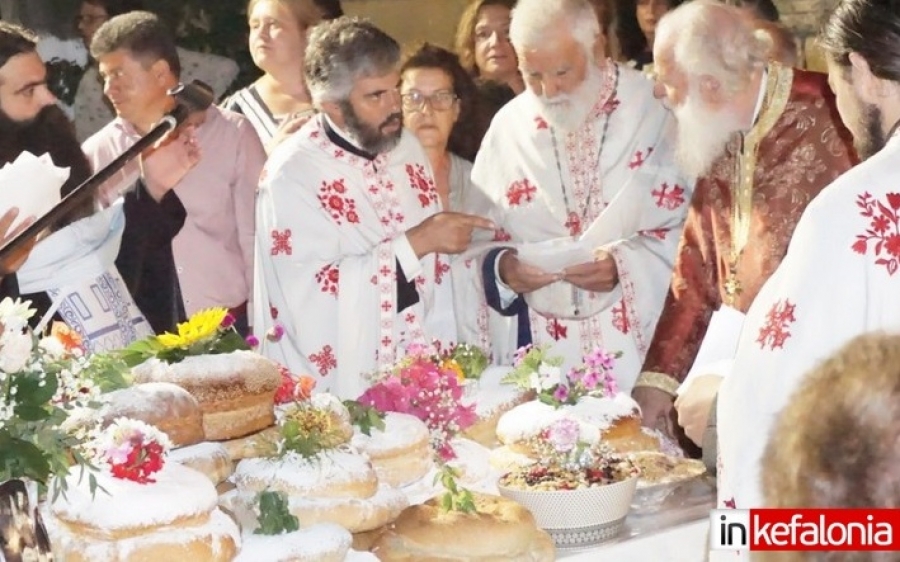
<point x="209" y="331"/>
<point x="307" y="431"/>
<point x="426" y="389"/>
<point x="466" y="360"/>
<point x="534" y="370"/>
<point x="294" y="388"/>
<point x="131" y="450"/>
<point x="567" y="463"/>
<point x="43" y="381"/>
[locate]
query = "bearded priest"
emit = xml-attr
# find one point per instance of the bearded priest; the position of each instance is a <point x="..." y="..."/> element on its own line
<point x="579" y="173"/>
<point x="764" y="140"/>
<point x="841" y="275"/>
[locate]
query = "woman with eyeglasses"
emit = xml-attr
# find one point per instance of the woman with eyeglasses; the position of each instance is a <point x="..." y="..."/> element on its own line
<point x="438" y="99"/>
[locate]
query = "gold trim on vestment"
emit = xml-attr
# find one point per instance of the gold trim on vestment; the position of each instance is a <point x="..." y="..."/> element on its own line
<point x="659" y="381"/>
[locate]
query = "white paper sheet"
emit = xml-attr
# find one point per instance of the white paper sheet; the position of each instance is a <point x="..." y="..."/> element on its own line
<point x="718" y="347"/>
<point x="32" y="184"/>
<point x="553" y="256"/>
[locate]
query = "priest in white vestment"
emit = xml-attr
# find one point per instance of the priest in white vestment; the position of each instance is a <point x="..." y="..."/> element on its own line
<point x="841" y="275"/>
<point x="350" y="265"/>
<point x="584" y="154"/>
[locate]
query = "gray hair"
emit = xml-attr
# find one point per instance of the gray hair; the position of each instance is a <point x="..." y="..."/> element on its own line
<point x="707" y="38"/>
<point x="343" y="50"/>
<point x="531" y="19"/>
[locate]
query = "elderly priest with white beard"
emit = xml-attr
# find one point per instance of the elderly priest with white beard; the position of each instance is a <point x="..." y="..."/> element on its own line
<point x="581" y="162"/>
<point x="764" y="140"/>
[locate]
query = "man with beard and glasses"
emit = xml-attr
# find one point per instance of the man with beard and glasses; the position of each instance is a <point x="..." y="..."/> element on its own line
<point x="70" y="274"/>
<point x="350" y="233"/>
<point x="584" y="153"/>
<point x="763" y="141"/>
<point x="188" y="242"/>
<point x="840" y="277"/>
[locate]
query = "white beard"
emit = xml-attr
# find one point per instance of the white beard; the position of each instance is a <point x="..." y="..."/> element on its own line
<point x="568" y="112"/>
<point x="702" y="135"/>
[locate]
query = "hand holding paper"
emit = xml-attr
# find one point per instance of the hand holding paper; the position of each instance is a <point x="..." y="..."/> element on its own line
<point x="554" y="256"/>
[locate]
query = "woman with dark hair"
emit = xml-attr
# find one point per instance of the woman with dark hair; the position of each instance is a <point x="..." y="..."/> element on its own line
<point x="439" y="106"/>
<point x="637" y="28"/>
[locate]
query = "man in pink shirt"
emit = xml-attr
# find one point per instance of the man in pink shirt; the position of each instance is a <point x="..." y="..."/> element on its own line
<point x="197" y="190"/>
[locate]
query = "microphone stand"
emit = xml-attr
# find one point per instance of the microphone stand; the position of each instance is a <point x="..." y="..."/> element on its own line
<point x="190" y="98"/>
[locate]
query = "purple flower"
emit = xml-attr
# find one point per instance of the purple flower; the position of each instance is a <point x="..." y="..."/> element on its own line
<point x="561" y="394"/>
<point x="252" y="341"/>
<point x="563" y="434"/>
<point x="600" y="359"/>
<point x="275" y="333"/>
<point x="610" y="385"/>
<point x="228" y="321"/>
<point x="590" y="380"/>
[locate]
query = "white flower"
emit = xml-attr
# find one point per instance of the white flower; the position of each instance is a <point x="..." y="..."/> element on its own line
<point x="52" y="347"/>
<point x="549" y="376"/>
<point x="14" y="315"/>
<point x="15" y="352"/>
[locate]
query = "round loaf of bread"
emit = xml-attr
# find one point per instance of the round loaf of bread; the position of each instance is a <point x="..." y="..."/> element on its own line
<point x="260" y="444"/>
<point x="236" y="391"/>
<point x="319" y="543"/>
<point x="500" y="529"/>
<point x="174" y="518"/>
<point x="491" y="402"/>
<point x="166" y="406"/>
<point x="209" y="458"/>
<point x="400" y="453"/>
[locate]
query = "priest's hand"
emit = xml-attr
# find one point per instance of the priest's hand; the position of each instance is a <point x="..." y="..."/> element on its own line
<point x="12" y="263"/>
<point x="521" y="277"/>
<point x="445" y="233"/>
<point x="694" y="404"/>
<point x="656" y="409"/>
<point x="169" y="160"/>
<point x="289" y="126"/>
<point x="600" y="275"/>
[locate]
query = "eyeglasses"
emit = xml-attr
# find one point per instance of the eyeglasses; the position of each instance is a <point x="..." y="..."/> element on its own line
<point x="415" y="100"/>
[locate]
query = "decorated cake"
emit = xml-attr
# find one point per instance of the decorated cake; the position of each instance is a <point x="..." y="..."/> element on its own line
<point x="168" y="407"/>
<point x="138" y="506"/>
<point x="399" y="451"/>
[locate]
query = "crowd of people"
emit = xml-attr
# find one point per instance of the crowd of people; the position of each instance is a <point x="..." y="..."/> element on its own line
<point x="665" y="158"/>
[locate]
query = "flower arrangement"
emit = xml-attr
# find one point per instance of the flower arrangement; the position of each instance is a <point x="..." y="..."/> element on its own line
<point x="424" y="388"/>
<point x="133" y="450"/>
<point x="466" y="360"/>
<point x="294" y="388"/>
<point x="44" y="380"/>
<point x="534" y="370"/>
<point x="209" y="331"/>
<point x="307" y="431"/>
<point x="567" y="463"/>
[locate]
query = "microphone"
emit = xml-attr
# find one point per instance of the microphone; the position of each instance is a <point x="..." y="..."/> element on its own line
<point x="190" y="99"/>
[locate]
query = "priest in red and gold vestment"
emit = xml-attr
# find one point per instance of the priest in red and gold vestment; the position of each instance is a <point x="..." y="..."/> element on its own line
<point x="763" y="140"/>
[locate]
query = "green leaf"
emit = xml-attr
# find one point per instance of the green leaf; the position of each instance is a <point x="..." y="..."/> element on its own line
<point x="275" y="517"/>
<point x="31" y="413"/>
<point x="364" y="417"/>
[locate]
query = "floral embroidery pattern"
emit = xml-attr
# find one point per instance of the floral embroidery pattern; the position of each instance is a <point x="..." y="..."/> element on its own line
<point x="281" y="242"/>
<point x="328" y="278"/>
<point x="776" y="330"/>
<point x="557" y="330"/>
<point x="440" y="269"/>
<point x="519" y="191"/>
<point x="325" y="360"/>
<point x="669" y="197"/>
<point x="332" y="196"/>
<point x="620" y="317"/>
<point x="422" y="182"/>
<point x="639" y="158"/>
<point x="884" y="230"/>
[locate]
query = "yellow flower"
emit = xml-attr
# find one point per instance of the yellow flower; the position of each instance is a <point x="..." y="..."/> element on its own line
<point x="452" y="365"/>
<point x="200" y="327"/>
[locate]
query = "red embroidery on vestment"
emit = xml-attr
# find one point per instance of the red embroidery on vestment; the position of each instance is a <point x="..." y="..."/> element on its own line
<point x="776" y="330"/>
<point x="500" y="235"/>
<point x="639" y="158"/>
<point x="611" y="105"/>
<point x="556" y="330"/>
<point x="884" y="230"/>
<point x="729" y="504"/>
<point x="658" y="233"/>
<point x="340" y="206"/>
<point x="273" y="312"/>
<point x="421" y="181"/>
<point x="440" y="269"/>
<point x="328" y="278"/>
<point x="520" y="190"/>
<point x="573" y="223"/>
<point x="281" y="242"/>
<point x="325" y="360"/>
<point x="620" y="317"/>
<point x="541" y="123"/>
<point x="669" y="197"/>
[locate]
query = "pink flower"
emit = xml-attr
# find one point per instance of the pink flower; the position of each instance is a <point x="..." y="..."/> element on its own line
<point x="590" y="380"/>
<point x="252" y="341"/>
<point x="563" y="434"/>
<point x="275" y="333"/>
<point x="561" y="394"/>
<point x="228" y="321"/>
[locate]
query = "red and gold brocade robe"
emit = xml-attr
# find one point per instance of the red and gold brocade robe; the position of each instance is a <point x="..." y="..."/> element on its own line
<point x="806" y="148"/>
